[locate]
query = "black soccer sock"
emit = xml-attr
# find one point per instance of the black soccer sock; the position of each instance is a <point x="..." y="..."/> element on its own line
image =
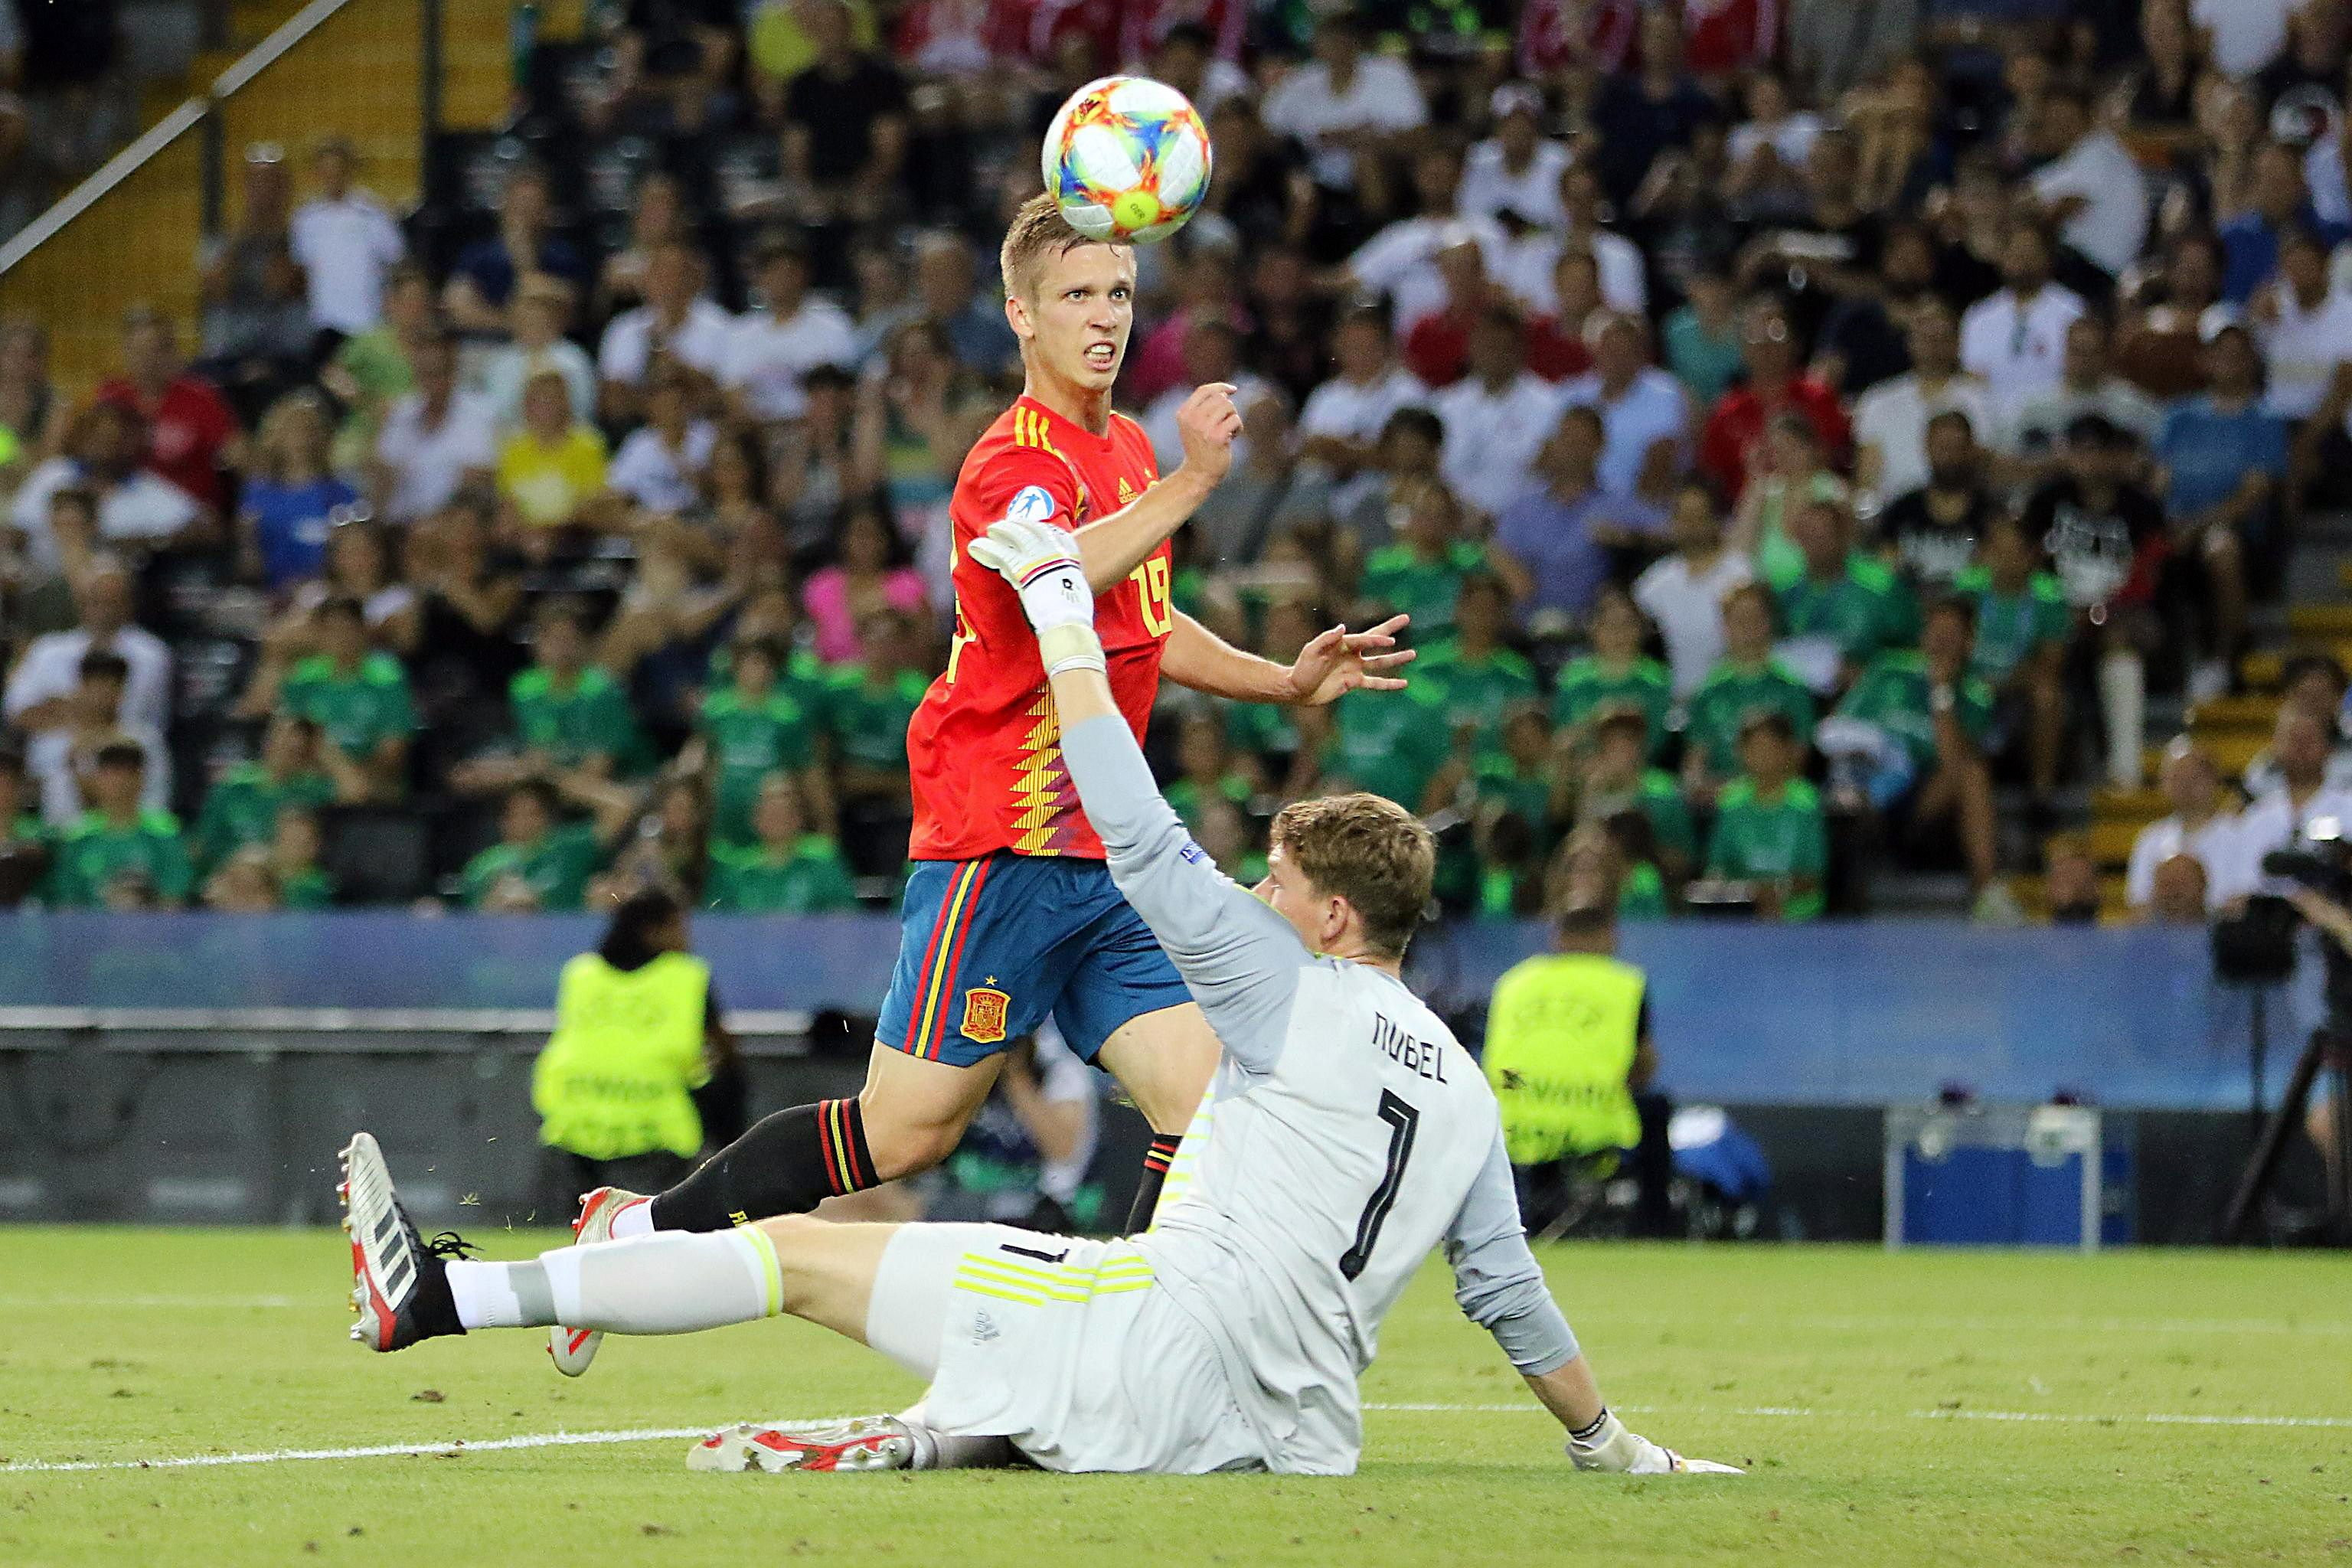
<point x="787" y="1164"/>
<point x="1155" y="1173"/>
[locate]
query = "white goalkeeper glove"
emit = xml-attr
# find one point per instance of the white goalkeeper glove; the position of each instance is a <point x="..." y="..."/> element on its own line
<point x="1041" y="562"/>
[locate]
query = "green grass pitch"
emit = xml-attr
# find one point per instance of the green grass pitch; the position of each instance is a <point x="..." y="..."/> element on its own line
<point x="1921" y="1407"/>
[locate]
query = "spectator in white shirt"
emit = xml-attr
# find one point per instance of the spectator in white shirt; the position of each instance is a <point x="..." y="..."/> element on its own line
<point x="1646" y="416"/>
<point x="1890" y="420"/>
<point x="1517" y="168"/>
<point x="2201" y="827"/>
<point x="2092" y="188"/>
<point x="40" y="690"/>
<point x="1496" y="419"/>
<point x="2033" y="431"/>
<point x="64" y="757"/>
<point x="1683" y="592"/>
<point x="675" y="320"/>
<point x="1773" y="144"/>
<point x="1339" y="427"/>
<point x="1212" y="352"/>
<point x="436" y="441"/>
<point x="1400" y="263"/>
<point x="2305" y="327"/>
<point x="540" y="310"/>
<point x="1344" y="101"/>
<point x="2016" y="338"/>
<point x="345" y="242"/>
<point x="2284" y="813"/>
<point x="2241" y="36"/>
<point x="660" y="465"/>
<point x="793" y="332"/>
<point x="105" y="457"/>
<point x="1527" y="265"/>
<point x="2313" y="683"/>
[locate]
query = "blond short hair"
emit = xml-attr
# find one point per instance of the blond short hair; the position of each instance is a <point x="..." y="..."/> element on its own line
<point x="1037" y="231"/>
<point x="1368" y="851"/>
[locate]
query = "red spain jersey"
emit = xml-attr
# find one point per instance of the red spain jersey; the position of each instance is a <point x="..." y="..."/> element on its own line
<point x="984" y="748"/>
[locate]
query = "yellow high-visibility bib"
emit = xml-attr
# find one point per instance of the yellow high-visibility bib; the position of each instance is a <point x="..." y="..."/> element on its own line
<point x="1561" y="1032"/>
<point x="617" y="1076"/>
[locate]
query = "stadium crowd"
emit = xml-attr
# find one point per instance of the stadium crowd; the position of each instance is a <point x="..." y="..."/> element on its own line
<point x="1804" y="437"/>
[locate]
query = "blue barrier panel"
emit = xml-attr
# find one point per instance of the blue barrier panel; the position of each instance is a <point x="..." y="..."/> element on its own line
<point x="1870" y="1013"/>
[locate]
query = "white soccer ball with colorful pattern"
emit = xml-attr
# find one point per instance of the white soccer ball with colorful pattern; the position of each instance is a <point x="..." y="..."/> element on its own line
<point x="1126" y="159"/>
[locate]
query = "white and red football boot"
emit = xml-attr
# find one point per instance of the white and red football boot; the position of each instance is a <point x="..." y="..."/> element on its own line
<point x="573" y="1349"/>
<point x="860" y="1442"/>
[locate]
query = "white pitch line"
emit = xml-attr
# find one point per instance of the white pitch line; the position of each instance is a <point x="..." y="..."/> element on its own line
<point x="167" y="1303"/>
<point x="661" y="1434"/>
<point x="376" y="1451"/>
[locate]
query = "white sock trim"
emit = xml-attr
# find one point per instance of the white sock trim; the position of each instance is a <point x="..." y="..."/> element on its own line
<point x="485" y="1295"/>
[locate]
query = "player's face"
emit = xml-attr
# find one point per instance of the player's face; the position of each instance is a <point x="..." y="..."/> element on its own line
<point x="1317" y="917"/>
<point x="1077" y="324"/>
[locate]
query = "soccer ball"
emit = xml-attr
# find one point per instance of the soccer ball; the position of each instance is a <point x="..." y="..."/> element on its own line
<point x="1126" y="159"/>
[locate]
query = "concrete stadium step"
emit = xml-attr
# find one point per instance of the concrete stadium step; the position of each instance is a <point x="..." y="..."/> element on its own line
<point x="2251" y="710"/>
<point x="2033" y="896"/>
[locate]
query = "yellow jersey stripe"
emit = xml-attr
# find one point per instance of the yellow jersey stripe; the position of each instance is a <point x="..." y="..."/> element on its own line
<point x="978" y="1289"/>
<point x="983" y="1284"/>
<point x="1057" y="1273"/>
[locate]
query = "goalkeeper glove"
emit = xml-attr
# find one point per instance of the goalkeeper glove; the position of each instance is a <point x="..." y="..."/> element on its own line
<point x="1041" y="562"/>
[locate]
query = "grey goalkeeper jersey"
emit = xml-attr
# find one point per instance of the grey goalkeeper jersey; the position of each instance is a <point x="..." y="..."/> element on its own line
<point x="1346" y="1134"/>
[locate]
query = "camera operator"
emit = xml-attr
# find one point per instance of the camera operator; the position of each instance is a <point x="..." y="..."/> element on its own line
<point x="2333" y="921"/>
<point x="2280" y="815"/>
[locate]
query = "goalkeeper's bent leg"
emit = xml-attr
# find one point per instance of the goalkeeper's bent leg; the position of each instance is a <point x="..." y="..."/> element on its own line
<point x="674" y="1284"/>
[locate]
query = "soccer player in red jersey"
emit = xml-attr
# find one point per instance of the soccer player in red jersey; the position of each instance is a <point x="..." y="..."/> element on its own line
<point x="1009" y="915"/>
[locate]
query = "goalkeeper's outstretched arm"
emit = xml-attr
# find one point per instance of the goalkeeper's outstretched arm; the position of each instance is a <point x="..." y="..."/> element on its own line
<point x="1240" y="958"/>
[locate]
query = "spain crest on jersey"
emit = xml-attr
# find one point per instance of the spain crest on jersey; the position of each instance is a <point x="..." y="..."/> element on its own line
<point x="984" y="1009"/>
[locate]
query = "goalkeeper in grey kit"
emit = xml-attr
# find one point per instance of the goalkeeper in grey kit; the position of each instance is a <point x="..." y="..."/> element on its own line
<point x="1345" y="1134"/>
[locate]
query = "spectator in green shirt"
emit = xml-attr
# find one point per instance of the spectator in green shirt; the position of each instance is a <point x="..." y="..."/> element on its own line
<point x="294" y="852"/>
<point x="1390" y="743"/>
<point x="2022" y="626"/>
<point x="539" y="862"/>
<point x="571" y="716"/>
<point x="1266" y="732"/>
<point x="359" y="699"/>
<point x="1206" y="770"/>
<point x="1851" y="602"/>
<point x="242" y="808"/>
<point x="868" y="707"/>
<point x="1616" y="675"/>
<point x="1922" y="719"/>
<point x="1768" y="829"/>
<point x="750" y="728"/>
<point x="787" y="869"/>
<point x="24" y="845"/>
<point x="1475" y="680"/>
<point x="1422" y="574"/>
<point x="1745" y="679"/>
<point x="282" y="874"/>
<point x="119" y="856"/>
<point x="1617" y="778"/>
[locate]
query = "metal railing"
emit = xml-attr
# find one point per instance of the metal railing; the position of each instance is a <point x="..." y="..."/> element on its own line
<point x="207" y="118"/>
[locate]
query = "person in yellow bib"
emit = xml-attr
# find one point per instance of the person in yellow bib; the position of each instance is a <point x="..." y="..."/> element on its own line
<point x="1569" y="1053"/>
<point x="637" y="1040"/>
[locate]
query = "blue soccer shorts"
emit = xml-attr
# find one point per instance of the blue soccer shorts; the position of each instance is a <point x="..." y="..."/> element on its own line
<point x="988" y="949"/>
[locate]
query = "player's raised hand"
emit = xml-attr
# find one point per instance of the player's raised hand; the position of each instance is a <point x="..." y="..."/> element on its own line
<point x="1208" y="425"/>
<point x="1339" y="661"/>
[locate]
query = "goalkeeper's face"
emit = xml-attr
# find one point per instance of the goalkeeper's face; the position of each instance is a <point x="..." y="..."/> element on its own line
<point x="1074" y="326"/>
